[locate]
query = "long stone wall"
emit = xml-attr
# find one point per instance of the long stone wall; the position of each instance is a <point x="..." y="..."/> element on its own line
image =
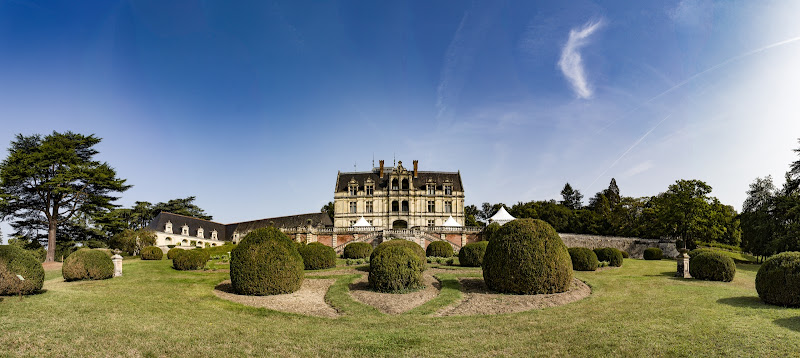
<point x="633" y="246"/>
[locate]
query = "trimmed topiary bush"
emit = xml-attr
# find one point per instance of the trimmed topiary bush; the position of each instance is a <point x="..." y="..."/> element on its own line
<point x="653" y="253"/>
<point x="173" y="252"/>
<point x="395" y="268"/>
<point x="778" y="280"/>
<point x="418" y="250"/>
<point x="266" y="262"/>
<point x="190" y="260"/>
<point x="152" y="253"/>
<point x="488" y="231"/>
<point x="625" y="254"/>
<point x="439" y="249"/>
<point x="87" y="264"/>
<point x="526" y="256"/>
<point x="17" y="261"/>
<point x="317" y="256"/>
<point x="471" y="255"/>
<point x="357" y="250"/>
<point x="712" y="266"/>
<point x="696" y="252"/>
<point x="583" y="259"/>
<point x="610" y="255"/>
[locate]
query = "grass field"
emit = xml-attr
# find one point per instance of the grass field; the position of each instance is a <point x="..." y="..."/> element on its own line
<point x="637" y="310"/>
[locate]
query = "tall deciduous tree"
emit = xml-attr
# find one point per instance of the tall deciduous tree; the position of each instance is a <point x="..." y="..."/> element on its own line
<point x="56" y="176"/>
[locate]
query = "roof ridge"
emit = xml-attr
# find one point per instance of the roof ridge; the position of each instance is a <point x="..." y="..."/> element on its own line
<point x="189" y="217"/>
<point x="276" y="217"/>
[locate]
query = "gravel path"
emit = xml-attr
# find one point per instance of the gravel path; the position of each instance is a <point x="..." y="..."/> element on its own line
<point x="478" y="300"/>
<point x="308" y="300"/>
<point x="394" y="303"/>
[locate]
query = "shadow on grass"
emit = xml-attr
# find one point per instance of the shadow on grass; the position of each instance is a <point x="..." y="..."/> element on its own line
<point x="746" y="302"/>
<point x="792" y="323"/>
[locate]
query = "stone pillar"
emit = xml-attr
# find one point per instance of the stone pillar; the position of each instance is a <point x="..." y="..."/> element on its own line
<point x="683" y="266"/>
<point x="117" y="259"/>
<point x="463" y="239"/>
<point x="333" y="240"/>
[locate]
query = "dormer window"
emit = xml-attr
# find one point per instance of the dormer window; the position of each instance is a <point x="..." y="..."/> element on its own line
<point x="185" y="230"/>
<point x="353" y="189"/>
<point x="405" y="184"/>
<point x="200" y="233"/>
<point x="448" y="190"/>
<point x="168" y="227"/>
<point x="214" y="235"/>
<point x="395" y="184"/>
<point x="431" y="189"/>
<point x="370" y="189"/>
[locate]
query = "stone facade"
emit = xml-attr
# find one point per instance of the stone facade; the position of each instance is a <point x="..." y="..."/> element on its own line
<point x="397" y="198"/>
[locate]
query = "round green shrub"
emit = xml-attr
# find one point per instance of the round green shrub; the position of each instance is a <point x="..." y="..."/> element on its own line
<point x="625" y="254"/>
<point x="526" y="256"/>
<point x="488" y="231"/>
<point x="418" y="250"/>
<point x="653" y="253"/>
<point x="471" y="255"/>
<point x="610" y="255"/>
<point x="439" y="249"/>
<point x="17" y="261"/>
<point x="395" y="268"/>
<point x="189" y="260"/>
<point x="778" y="280"/>
<point x="712" y="266"/>
<point x="317" y="256"/>
<point x="204" y="252"/>
<point x="87" y="264"/>
<point x="173" y="252"/>
<point x="266" y="262"/>
<point x="357" y="250"/>
<point x="151" y="253"/>
<point x="583" y="259"/>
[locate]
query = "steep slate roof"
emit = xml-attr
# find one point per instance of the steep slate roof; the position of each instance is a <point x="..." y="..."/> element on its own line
<point x="419" y="182"/>
<point x="160" y="222"/>
<point x="292" y="221"/>
<point x="225" y="232"/>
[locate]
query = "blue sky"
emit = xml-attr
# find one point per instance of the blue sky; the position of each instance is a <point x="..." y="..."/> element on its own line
<point x="252" y="107"/>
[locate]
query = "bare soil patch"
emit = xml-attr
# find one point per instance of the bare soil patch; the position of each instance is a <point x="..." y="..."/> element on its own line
<point x="479" y="300"/>
<point x="308" y="300"/>
<point x="395" y="303"/>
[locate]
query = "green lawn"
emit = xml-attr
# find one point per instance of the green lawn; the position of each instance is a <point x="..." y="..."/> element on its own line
<point x="638" y="310"/>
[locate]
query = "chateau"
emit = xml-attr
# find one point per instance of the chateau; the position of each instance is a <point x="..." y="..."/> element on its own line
<point x="396" y="198"/>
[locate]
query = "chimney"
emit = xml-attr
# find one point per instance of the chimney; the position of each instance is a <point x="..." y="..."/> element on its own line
<point x="416" y="162"/>
<point x="381" y="170"/>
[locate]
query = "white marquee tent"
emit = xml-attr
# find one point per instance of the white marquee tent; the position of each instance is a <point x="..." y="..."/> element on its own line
<point x="502" y="216"/>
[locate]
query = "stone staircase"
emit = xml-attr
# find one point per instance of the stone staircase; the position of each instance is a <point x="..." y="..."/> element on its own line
<point x="414" y="235"/>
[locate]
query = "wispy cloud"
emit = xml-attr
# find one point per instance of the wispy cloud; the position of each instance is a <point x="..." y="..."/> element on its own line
<point x="571" y="62"/>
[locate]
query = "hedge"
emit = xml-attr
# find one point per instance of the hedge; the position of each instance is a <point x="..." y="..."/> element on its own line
<point x="526" y="256"/>
<point x="395" y="268"/>
<point x="17" y="261"/>
<point x="418" y="250"/>
<point x="471" y="255"/>
<point x="87" y="264"/>
<point x="778" y="280"/>
<point x="266" y="262"/>
<point x="152" y="253"/>
<point x="583" y="259"/>
<point x="439" y="249"/>
<point x="610" y="255"/>
<point x="712" y="266"/>
<point x="317" y="256"/>
<point x="653" y="253"/>
<point x="173" y="252"/>
<point x="190" y="260"/>
<point x="357" y="250"/>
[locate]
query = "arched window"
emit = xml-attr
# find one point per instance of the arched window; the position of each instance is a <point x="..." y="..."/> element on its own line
<point x="395" y="206"/>
<point x="395" y="185"/>
<point x="185" y="242"/>
<point x="405" y="184"/>
<point x="405" y="205"/>
<point x="168" y="240"/>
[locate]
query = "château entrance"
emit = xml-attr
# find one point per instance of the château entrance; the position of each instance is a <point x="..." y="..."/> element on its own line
<point x="400" y="224"/>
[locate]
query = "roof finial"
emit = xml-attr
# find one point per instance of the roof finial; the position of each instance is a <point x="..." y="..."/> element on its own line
<point x="373" y="159"/>
<point x="394" y="160"/>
